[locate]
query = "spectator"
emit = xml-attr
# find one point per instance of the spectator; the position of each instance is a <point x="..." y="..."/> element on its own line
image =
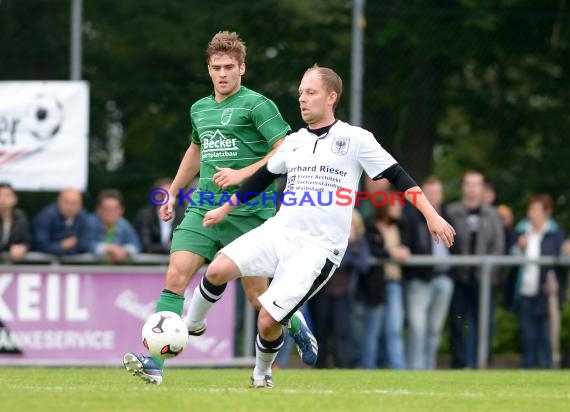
<point x="536" y="294"/>
<point x="508" y="220"/>
<point x="63" y="227"/>
<point x="14" y="226"/>
<point x="116" y="241"/>
<point x="387" y="224"/>
<point x="154" y="233"/>
<point x="509" y="273"/>
<point x="428" y="289"/>
<point x="489" y="192"/>
<point x="332" y="307"/>
<point x="504" y="275"/>
<point x="369" y="289"/>
<point x="479" y="232"/>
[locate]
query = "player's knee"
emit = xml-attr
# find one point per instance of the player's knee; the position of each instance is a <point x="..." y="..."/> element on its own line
<point x="181" y="269"/>
<point x="219" y="272"/>
<point x="268" y="327"/>
<point x="176" y="280"/>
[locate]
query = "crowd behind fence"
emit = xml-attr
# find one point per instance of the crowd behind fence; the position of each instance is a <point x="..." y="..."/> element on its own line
<point x="487" y="263"/>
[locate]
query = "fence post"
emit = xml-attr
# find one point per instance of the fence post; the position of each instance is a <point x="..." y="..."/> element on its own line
<point x="248" y="329"/>
<point x="484" y="312"/>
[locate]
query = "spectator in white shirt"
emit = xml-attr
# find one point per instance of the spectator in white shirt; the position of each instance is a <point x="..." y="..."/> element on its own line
<point x="537" y="286"/>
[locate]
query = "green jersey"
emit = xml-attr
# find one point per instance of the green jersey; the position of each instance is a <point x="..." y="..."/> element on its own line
<point x="234" y="133"/>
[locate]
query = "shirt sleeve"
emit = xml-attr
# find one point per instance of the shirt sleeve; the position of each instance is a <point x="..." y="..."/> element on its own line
<point x="194" y="136"/>
<point x="373" y="158"/>
<point x="268" y="121"/>
<point x="277" y="164"/>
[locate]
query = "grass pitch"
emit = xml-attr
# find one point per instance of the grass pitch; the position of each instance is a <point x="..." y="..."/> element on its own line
<point x="210" y="390"/>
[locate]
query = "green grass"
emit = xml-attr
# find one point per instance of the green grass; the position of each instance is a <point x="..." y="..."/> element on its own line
<point x="210" y="390"/>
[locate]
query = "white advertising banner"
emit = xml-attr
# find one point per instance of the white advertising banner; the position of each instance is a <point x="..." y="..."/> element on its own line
<point x="44" y="129"/>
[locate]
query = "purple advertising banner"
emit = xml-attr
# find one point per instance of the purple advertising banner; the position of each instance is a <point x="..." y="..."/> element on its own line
<point x="87" y="315"/>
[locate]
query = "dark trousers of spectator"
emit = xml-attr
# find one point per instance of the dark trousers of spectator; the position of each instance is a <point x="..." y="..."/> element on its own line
<point x="331" y="322"/>
<point x="535" y="333"/>
<point x="464" y="318"/>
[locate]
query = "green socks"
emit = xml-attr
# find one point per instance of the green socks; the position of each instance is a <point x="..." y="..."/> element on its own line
<point x="171" y="302"/>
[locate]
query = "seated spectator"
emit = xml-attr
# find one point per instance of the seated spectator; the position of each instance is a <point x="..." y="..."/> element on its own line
<point x="63" y="227"/>
<point x="14" y="227"/>
<point x="154" y="233"/>
<point x="116" y="241"/>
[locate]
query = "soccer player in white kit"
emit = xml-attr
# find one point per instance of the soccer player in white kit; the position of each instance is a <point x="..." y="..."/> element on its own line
<point x="302" y="245"/>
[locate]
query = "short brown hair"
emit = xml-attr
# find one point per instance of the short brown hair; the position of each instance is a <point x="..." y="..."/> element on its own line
<point x="163" y="181"/>
<point x="431" y="180"/>
<point x="331" y="79"/>
<point x="110" y="194"/>
<point x="545" y="200"/>
<point x="473" y="172"/>
<point x="225" y="42"/>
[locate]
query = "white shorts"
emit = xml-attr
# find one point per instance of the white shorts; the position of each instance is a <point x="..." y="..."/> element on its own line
<point x="299" y="267"/>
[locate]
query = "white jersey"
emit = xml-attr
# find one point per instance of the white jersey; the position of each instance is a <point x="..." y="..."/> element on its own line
<point x="317" y="167"/>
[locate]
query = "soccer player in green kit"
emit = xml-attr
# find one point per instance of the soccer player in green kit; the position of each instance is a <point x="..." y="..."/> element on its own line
<point x="234" y="132"/>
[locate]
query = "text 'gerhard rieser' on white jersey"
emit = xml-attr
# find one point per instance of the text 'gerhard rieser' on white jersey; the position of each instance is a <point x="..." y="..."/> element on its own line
<point x="316" y="167"/>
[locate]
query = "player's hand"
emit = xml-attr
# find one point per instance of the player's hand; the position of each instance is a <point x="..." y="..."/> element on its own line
<point x="441" y="229"/>
<point x="226" y="177"/>
<point x="166" y="210"/>
<point x="215" y="216"/>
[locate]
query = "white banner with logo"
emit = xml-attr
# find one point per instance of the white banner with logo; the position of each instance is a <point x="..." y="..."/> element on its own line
<point x="44" y="129"/>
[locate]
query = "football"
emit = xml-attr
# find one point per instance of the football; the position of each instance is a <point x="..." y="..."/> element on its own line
<point x="165" y="334"/>
<point x="46" y="117"/>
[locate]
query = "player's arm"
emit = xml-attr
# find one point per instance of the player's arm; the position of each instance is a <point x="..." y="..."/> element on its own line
<point x="250" y="189"/>
<point x="438" y="226"/>
<point x="189" y="167"/>
<point x="225" y="176"/>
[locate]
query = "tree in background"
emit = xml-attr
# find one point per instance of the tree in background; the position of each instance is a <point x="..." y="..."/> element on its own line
<point x="449" y="84"/>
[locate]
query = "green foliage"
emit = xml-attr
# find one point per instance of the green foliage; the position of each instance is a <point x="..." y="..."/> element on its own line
<point x="449" y="84"/>
<point x="506" y="334"/>
<point x="565" y="328"/>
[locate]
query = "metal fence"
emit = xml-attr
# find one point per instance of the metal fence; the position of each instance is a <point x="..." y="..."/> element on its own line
<point x="486" y="262"/>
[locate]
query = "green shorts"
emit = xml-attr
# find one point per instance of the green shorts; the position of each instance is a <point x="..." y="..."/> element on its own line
<point x="192" y="236"/>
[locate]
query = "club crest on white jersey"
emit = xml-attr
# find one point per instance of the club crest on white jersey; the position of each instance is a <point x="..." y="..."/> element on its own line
<point x="340" y="145"/>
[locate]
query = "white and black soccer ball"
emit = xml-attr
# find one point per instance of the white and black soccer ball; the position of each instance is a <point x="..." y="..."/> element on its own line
<point x="45" y="117"/>
<point x="165" y="334"/>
